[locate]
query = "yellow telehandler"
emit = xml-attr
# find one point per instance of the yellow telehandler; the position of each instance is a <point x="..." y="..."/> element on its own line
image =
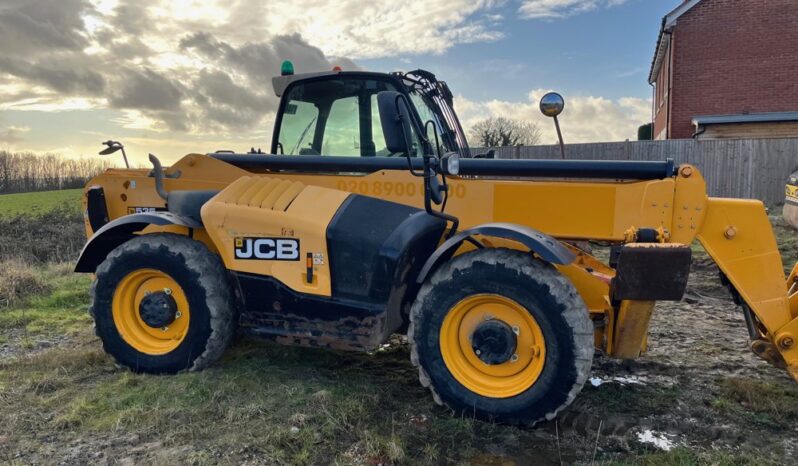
<point x="370" y="216"/>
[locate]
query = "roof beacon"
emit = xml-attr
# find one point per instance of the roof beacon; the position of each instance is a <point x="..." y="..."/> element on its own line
<point x="287" y="68"/>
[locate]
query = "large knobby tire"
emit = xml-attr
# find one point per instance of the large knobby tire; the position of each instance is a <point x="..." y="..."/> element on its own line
<point x="175" y="273"/>
<point x="491" y="286"/>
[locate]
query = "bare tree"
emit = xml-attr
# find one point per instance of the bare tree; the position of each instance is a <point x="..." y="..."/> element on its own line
<point x="23" y="172"/>
<point x="502" y="132"/>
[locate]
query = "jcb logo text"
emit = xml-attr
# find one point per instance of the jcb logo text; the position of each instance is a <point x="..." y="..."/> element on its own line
<point x="280" y="249"/>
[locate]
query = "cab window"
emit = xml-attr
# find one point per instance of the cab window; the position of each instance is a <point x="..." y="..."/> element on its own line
<point x="333" y="117"/>
<point x="298" y="134"/>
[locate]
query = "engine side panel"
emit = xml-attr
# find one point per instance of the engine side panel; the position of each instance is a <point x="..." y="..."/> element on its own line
<point x="355" y="237"/>
<point x="270" y="226"/>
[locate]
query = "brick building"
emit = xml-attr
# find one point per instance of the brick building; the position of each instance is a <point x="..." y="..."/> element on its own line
<point x="727" y="68"/>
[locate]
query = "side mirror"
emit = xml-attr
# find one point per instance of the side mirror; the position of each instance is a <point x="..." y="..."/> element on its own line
<point x="395" y="119"/>
<point x="114" y="146"/>
<point x="552" y="104"/>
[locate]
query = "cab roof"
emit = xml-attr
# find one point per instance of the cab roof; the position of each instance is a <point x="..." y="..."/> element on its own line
<point x="280" y="83"/>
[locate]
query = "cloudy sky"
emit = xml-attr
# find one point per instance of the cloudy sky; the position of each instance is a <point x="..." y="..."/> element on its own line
<point x="179" y="76"/>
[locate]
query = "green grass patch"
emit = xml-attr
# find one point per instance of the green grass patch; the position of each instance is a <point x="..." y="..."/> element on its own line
<point x="59" y="311"/>
<point x="644" y="400"/>
<point x="38" y="203"/>
<point x="683" y="456"/>
<point x="769" y="404"/>
<point x="282" y="405"/>
<point x="286" y="405"/>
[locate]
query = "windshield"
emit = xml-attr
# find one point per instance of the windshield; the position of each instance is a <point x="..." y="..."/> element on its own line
<point x="427" y="112"/>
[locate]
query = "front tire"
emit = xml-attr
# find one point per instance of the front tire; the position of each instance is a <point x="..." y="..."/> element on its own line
<point x="162" y="304"/>
<point x="499" y="335"/>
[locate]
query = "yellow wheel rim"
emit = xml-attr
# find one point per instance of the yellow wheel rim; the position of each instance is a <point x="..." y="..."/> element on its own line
<point x="128" y="296"/>
<point x="503" y="380"/>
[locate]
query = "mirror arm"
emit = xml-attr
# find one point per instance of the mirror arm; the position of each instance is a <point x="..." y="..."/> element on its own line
<point x="124" y="156"/>
<point x="559" y="137"/>
<point x="408" y="142"/>
<point x="429" y="173"/>
<point x="435" y="132"/>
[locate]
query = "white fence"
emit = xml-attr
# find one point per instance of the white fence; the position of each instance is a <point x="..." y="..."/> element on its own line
<point x="742" y="168"/>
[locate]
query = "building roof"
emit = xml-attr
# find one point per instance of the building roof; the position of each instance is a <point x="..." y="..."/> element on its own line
<point x="745" y="118"/>
<point x="664" y="39"/>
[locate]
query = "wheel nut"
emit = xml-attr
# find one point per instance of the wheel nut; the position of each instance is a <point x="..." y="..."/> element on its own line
<point x="167" y="291"/>
<point x="488" y="317"/>
<point x="516" y="330"/>
<point x="163" y="329"/>
<point x="178" y="314"/>
<point x="514" y="358"/>
<point x="478" y="352"/>
<point x="786" y="342"/>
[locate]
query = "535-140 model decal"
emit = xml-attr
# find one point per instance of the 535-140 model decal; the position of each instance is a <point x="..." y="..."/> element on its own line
<point x="280" y="249"/>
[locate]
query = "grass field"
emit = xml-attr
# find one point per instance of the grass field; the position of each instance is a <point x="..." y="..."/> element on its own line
<point x="12" y="205"/>
<point x="64" y="401"/>
<point x="62" y="397"/>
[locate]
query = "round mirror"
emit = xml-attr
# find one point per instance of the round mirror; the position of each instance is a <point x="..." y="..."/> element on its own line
<point x="552" y="104"/>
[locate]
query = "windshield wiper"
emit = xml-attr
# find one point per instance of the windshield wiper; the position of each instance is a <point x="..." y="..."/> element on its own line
<point x="302" y="136"/>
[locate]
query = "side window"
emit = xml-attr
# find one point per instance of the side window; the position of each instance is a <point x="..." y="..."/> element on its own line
<point x="342" y="132"/>
<point x="298" y="128"/>
<point x="376" y="129"/>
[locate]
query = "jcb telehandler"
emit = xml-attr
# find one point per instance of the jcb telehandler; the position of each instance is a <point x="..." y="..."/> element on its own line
<point x="370" y="216"/>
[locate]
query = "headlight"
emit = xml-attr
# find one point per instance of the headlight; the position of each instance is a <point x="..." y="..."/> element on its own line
<point x="451" y="163"/>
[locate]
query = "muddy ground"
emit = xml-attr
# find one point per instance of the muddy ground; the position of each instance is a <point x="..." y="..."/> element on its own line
<point x="699" y="396"/>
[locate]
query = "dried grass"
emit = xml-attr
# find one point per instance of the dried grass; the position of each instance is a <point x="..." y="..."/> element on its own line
<point x="18" y="282"/>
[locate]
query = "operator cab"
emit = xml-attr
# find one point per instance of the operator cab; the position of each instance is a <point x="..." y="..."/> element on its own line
<point x="336" y="114"/>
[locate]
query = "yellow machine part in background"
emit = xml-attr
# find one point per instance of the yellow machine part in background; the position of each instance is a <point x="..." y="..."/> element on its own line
<point x="790" y="211"/>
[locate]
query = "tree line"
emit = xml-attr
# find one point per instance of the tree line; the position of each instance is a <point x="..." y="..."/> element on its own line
<point x="504" y="132"/>
<point x="24" y="172"/>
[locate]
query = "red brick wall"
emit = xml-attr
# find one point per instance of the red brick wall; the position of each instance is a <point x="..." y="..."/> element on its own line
<point x="661" y="98"/>
<point x="731" y="57"/>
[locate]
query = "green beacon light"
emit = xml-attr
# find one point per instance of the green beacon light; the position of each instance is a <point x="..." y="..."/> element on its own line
<point x="287" y="68"/>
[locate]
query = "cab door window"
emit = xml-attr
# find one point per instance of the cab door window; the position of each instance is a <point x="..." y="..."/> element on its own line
<point x="298" y="128"/>
<point x="341" y="133"/>
<point x="337" y="117"/>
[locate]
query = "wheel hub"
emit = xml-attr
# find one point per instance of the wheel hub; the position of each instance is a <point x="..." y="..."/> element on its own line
<point x="494" y="342"/>
<point x="158" y="309"/>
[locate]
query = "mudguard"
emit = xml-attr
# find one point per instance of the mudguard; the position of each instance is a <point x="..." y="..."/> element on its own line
<point x="545" y="246"/>
<point x="112" y="234"/>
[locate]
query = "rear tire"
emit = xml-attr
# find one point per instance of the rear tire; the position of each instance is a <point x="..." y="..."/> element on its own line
<point x="188" y="280"/>
<point x="499" y="285"/>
